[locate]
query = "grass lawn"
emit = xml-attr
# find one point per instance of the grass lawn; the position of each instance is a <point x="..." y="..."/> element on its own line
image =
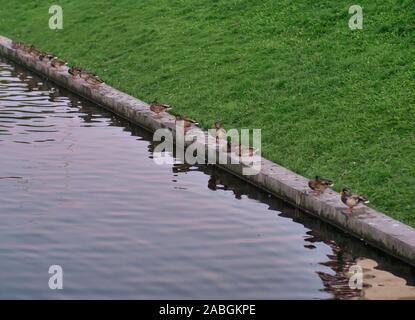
<point x="329" y="100"/>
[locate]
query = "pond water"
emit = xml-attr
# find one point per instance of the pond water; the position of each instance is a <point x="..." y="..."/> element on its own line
<point x="79" y="189"/>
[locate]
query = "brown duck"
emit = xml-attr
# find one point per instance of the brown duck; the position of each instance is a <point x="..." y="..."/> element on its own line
<point x="159" y="107"/>
<point x="219" y="132"/>
<point x="57" y="63"/>
<point x="25" y="47"/>
<point x="244" y="151"/>
<point x="34" y="52"/>
<point x="319" y="185"/>
<point x="75" y="71"/>
<point x="351" y="200"/>
<point x="16" y="45"/>
<point x="91" y="78"/>
<point x="187" y="122"/>
<point x="45" y="57"/>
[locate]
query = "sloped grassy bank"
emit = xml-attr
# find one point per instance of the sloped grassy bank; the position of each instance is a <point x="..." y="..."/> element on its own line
<point x="329" y="101"/>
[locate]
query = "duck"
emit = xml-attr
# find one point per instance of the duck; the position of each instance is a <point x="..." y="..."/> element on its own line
<point x="243" y="151"/>
<point x="34" y="52"/>
<point x="159" y="107"/>
<point x="91" y="78"/>
<point x="86" y="75"/>
<point x="45" y="57"/>
<point x="57" y="63"/>
<point x="187" y="122"/>
<point x="182" y="167"/>
<point x="16" y="45"/>
<point x="319" y="185"/>
<point x="351" y="200"/>
<point x="75" y="71"/>
<point x="25" y="47"/>
<point x="219" y="132"/>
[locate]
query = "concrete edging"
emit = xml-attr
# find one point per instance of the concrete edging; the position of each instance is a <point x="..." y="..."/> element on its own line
<point x="375" y="228"/>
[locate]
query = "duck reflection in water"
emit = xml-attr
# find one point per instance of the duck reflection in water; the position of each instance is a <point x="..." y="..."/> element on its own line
<point x="184" y="167"/>
<point x="341" y="263"/>
<point x="339" y="283"/>
<point x="215" y="183"/>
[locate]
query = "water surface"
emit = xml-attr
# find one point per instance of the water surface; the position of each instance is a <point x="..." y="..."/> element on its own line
<point x="79" y="188"/>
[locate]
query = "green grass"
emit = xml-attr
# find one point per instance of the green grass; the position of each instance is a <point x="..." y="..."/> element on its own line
<point x="329" y="101"/>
